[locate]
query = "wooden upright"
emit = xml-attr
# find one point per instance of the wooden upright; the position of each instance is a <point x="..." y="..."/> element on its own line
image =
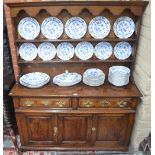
<point x="78" y="117"/>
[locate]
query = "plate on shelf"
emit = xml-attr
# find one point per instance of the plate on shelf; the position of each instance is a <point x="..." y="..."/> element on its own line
<point x="46" y="51"/>
<point x="52" y="28"/>
<point x="103" y="50"/>
<point x="28" y="51"/>
<point x="75" y="28"/>
<point x="119" y="75"/>
<point x="28" y="28"/>
<point x="124" y="27"/>
<point x="67" y="79"/>
<point x="122" y="50"/>
<point x="99" y="27"/>
<point x="93" y="77"/>
<point x="34" y="80"/>
<point x="84" y="50"/>
<point x="65" y="51"/>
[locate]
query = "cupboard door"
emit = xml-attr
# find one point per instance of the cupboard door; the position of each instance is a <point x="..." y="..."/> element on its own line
<point x="74" y="129"/>
<point x="112" y="129"/>
<point x="36" y="129"/>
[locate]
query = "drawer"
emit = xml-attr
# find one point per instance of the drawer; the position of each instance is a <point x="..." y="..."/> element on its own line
<point x="104" y="102"/>
<point x="43" y="102"/>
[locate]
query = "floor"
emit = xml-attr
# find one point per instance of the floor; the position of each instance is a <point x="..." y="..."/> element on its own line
<point x="9" y="150"/>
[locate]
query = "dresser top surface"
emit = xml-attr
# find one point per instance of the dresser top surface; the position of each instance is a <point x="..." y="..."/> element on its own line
<point x="76" y="91"/>
<point x="77" y="2"/>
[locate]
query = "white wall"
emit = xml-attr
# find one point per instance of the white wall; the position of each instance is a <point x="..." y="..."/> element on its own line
<point x="142" y="76"/>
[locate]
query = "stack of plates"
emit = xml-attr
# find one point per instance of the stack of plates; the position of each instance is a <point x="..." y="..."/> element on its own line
<point x="119" y="75"/>
<point x="67" y="79"/>
<point x="34" y="80"/>
<point x="93" y="77"/>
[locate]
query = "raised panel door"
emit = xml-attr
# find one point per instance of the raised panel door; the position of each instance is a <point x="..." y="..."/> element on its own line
<point x="112" y="129"/>
<point x="36" y="129"/>
<point x="75" y="129"/>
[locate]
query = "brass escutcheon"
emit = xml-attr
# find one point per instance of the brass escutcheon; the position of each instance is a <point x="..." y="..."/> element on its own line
<point x="122" y="104"/>
<point x="55" y="129"/>
<point x="45" y="102"/>
<point x="28" y="103"/>
<point x="88" y="104"/>
<point x="105" y="103"/>
<point x="60" y="104"/>
<point x="93" y="129"/>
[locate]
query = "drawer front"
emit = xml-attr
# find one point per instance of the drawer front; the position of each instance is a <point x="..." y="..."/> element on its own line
<point x="43" y="102"/>
<point x="104" y="103"/>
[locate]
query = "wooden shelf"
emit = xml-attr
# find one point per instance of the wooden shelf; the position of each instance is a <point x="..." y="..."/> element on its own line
<point x="74" y="61"/>
<point x="79" y="90"/>
<point x="75" y="40"/>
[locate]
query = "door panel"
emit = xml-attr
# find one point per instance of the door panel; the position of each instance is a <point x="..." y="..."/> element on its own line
<point x="36" y="128"/>
<point x="40" y="128"/>
<point x="112" y="128"/>
<point x="108" y="128"/>
<point x="75" y="129"/>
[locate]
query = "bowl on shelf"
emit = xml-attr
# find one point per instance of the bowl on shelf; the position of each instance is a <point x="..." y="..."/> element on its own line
<point x="93" y="77"/>
<point x="34" y="80"/>
<point x="67" y="79"/>
<point x="119" y="75"/>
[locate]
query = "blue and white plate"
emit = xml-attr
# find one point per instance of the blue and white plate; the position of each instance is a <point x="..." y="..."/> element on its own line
<point x="99" y="27"/>
<point x="65" y="51"/>
<point x="46" y="51"/>
<point x="75" y="28"/>
<point x="52" y="28"/>
<point x="84" y="50"/>
<point x="28" y="28"/>
<point x="124" y="27"/>
<point x="67" y="79"/>
<point x="103" y="50"/>
<point x="28" y="51"/>
<point x="122" y="50"/>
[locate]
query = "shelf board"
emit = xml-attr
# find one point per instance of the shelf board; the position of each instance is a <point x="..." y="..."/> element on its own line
<point x="74" y="61"/>
<point x="79" y="90"/>
<point x="75" y="40"/>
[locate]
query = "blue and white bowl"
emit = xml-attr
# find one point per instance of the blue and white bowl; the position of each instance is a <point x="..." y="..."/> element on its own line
<point x="67" y="79"/>
<point x="34" y="80"/>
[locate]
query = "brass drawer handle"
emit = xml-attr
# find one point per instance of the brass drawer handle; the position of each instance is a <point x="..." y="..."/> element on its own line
<point x="45" y="103"/>
<point x="105" y="103"/>
<point x="88" y="104"/>
<point x="60" y="104"/>
<point x="28" y="103"/>
<point x="122" y="104"/>
<point x="55" y="129"/>
<point x="93" y="129"/>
